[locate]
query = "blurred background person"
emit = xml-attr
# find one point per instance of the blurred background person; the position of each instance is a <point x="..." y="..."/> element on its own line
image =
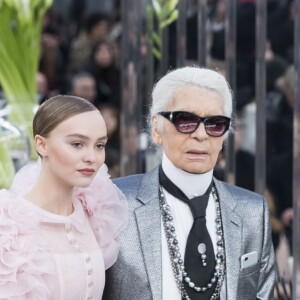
<point x="111" y="116"/>
<point x="280" y="148"/>
<point x="84" y="85"/>
<point x="42" y="87"/>
<point x="102" y="64"/>
<point x="96" y="28"/>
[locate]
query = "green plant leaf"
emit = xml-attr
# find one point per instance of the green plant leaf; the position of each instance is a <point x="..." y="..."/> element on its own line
<point x="173" y="17"/>
<point x="157" y="7"/>
<point x="156" y="39"/>
<point x="156" y="53"/>
<point x="171" y="5"/>
<point x="20" y="33"/>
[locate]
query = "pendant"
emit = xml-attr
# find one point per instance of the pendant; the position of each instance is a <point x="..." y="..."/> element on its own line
<point x="202" y="250"/>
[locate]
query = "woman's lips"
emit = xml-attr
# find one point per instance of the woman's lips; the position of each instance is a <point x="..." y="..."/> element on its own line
<point x="87" y="172"/>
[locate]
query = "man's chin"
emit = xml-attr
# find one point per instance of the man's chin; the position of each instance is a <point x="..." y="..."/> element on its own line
<point x="196" y="170"/>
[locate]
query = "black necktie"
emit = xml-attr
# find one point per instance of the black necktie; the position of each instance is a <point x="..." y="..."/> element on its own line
<point x="199" y="259"/>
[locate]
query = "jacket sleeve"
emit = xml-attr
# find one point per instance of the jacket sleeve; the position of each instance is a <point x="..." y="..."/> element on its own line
<point x="268" y="274"/>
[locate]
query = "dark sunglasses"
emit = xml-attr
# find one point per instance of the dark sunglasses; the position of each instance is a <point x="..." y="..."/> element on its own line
<point x="186" y="122"/>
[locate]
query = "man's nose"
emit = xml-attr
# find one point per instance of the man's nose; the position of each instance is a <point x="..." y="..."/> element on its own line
<point x="200" y="132"/>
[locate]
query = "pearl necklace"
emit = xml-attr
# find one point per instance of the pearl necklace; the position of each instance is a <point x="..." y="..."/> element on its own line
<point x="174" y="252"/>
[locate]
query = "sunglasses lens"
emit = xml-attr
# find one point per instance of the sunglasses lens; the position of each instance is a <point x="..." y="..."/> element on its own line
<point x="216" y="126"/>
<point x="186" y="122"/>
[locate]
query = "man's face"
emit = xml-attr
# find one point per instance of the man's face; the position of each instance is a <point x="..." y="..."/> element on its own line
<point x="195" y="152"/>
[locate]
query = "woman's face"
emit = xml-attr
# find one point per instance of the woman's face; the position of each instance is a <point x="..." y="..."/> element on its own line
<point x="74" y="150"/>
<point x="195" y="152"/>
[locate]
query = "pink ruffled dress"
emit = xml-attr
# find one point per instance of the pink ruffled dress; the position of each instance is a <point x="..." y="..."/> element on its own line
<point x="49" y="256"/>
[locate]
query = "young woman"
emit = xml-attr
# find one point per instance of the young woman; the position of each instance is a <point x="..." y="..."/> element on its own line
<point x="60" y="220"/>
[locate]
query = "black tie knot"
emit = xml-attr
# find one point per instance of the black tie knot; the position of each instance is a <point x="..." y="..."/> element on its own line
<point x="198" y="206"/>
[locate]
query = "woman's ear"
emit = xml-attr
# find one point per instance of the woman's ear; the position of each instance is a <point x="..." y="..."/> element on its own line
<point x="155" y="132"/>
<point x="40" y="145"/>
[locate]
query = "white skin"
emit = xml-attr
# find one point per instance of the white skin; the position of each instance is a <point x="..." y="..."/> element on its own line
<point x="71" y="154"/>
<point x="196" y="152"/>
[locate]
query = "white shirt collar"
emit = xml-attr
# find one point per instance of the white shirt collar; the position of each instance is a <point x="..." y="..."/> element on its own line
<point x="191" y="184"/>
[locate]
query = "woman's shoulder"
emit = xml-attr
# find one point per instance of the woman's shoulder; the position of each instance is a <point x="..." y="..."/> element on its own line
<point x="24" y="255"/>
<point x="13" y="208"/>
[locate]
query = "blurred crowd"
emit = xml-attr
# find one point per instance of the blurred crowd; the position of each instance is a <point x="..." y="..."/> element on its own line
<point x="80" y="55"/>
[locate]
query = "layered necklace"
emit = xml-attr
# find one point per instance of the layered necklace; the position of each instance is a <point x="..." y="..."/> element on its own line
<point x="177" y="262"/>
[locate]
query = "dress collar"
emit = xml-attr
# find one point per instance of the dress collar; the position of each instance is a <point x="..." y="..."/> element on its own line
<point x="77" y="218"/>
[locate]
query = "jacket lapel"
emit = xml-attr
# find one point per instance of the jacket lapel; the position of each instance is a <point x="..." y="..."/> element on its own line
<point x="232" y="228"/>
<point x="148" y="220"/>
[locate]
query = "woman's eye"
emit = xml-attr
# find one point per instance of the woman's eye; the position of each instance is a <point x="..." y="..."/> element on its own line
<point x="77" y="145"/>
<point x="100" y="146"/>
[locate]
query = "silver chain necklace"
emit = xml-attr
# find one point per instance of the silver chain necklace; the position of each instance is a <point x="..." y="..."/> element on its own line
<point x="174" y="252"/>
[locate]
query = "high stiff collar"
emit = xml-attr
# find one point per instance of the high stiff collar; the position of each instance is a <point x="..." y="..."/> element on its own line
<point x="191" y="184"/>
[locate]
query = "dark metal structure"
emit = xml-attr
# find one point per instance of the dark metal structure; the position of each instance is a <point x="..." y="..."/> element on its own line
<point x="181" y="34"/>
<point x="230" y="55"/>
<point x="260" y="90"/>
<point x="202" y="19"/>
<point x="296" y="161"/>
<point x="131" y="66"/>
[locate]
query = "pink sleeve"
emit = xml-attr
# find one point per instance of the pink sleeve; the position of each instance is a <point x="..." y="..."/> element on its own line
<point x="106" y="207"/>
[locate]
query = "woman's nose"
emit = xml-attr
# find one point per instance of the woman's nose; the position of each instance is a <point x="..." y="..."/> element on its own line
<point x="90" y="155"/>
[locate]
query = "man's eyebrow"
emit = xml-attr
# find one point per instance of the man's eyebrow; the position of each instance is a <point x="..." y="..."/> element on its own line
<point x="84" y="137"/>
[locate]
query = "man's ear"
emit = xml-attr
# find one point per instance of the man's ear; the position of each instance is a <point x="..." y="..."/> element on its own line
<point x="155" y="132"/>
<point x="40" y="145"/>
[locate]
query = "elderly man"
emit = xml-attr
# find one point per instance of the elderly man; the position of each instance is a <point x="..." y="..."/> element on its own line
<point x="191" y="236"/>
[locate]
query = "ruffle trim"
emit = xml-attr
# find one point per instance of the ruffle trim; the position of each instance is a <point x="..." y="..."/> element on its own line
<point x="104" y="204"/>
<point x="25" y="265"/>
<point x="107" y="212"/>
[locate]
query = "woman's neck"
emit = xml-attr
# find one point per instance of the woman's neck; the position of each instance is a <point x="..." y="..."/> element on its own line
<point x="50" y="195"/>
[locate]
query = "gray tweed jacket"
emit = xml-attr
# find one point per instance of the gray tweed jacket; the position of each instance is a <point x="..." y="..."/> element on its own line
<point x="246" y="225"/>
